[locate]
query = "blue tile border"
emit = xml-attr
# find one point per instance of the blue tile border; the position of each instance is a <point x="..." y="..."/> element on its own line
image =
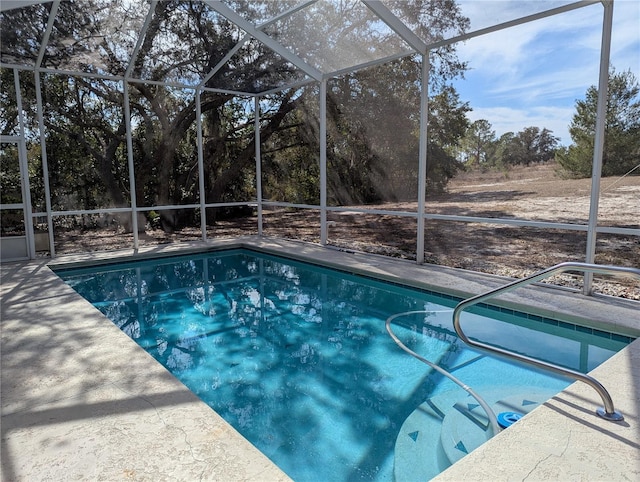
<point x="435" y="294"/>
<point x="560" y="324"/>
<point x="530" y="316"/>
<point x="568" y="326"/>
<point x="622" y="338"/>
<point x="601" y="333"/>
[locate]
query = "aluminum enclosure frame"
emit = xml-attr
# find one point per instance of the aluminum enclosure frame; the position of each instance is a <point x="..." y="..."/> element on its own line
<point x="315" y="76"/>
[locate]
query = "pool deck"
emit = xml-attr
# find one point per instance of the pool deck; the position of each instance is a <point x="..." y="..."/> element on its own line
<point x="81" y="400"/>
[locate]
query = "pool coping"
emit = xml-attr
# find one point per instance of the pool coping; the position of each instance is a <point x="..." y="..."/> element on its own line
<point x="91" y="391"/>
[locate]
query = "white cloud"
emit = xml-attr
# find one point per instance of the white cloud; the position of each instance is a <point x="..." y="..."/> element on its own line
<point x="625" y="38"/>
<point x="532" y="74"/>
<point x="484" y="13"/>
<point x="509" y="56"/>
<point x="549" y="86"/>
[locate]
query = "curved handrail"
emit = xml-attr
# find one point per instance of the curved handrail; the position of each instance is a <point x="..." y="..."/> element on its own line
<point x="493" y="421"/>
<point x="608" y="412"/>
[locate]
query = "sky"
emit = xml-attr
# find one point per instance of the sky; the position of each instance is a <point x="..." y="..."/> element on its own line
<point x="532" y="74"/>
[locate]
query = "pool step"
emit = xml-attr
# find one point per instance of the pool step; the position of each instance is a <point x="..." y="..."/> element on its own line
<point x="465" y="426"/>
<point x="450" y="425"/>
<point x="418" y="454"/>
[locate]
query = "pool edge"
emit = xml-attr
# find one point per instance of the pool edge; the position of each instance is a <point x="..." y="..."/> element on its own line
<point x="550" y="453"/>
<point x="460" y="283"/>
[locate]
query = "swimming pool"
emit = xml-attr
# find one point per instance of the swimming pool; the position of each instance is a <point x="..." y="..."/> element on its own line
<point x="296" y="356"/>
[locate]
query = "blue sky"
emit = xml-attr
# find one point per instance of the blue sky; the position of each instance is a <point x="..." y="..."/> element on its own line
<point x="532" y="74"/>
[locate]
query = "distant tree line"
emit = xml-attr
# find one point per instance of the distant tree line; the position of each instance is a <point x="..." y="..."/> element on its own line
<point x="480" y="148"/>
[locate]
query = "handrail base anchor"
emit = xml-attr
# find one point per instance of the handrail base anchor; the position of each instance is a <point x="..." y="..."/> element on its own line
<point x="614" y="416"/>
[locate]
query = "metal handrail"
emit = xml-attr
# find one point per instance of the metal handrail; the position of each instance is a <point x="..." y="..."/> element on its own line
<point x="607" y="412"/>
<point x="491" y="416"/>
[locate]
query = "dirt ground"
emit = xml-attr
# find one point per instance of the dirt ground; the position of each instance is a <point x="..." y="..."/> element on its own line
<point x="534" y="193"/>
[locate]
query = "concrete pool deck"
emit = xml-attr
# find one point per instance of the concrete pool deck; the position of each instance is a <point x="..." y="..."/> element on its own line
<point x="81" y="400"/>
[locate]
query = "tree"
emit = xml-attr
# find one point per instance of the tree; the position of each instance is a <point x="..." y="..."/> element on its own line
<point x="184" y="41"/>
<point x="373" y="139"/>
<point x="477" y="147"/>
<point x="622" y="130"/>
<point x="447" y="125"/>
<point x="529" y="146"/>
<point x="373" y="123"/>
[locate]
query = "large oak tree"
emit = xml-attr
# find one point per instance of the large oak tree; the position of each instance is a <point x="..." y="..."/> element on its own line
<point x="85" y="119"/>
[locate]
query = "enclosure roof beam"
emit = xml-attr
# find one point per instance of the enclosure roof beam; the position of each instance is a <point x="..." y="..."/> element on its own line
<point x="120" y="78"/>
<point x="11" y="4"/>
<point x="70" y="73"/>
<point x="513" y="23"/>
<point x="397" y="25"/>
<point x="376" y="6"/>
<point x="275" y="90"/>
<point x="286" y="13"/>
<point x="297" y="83"/>
<point x="192" y="87"/>
<point x="244" y="39"/>
<point x="371" y="63"/>
<point x="277" y="47"/>
<point x="47" y="33"/>
<point x="143" y="33"/>
<point x="224" y="60"/>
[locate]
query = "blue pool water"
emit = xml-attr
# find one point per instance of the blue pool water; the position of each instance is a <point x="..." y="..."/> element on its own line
<point x="296" y="357"/>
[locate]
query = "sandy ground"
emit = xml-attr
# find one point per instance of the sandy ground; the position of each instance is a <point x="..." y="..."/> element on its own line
<point x="534" y="193"/>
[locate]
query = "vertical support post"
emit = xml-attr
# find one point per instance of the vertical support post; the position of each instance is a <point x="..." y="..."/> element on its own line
<point x="45" y="164"/>
<point x="256" y="133"/>
<point x="132" y="173"/>
<point x="323" y="162"/>
<point x="24" y="172"/>
<point x="422" y="157"/>
<point x="201" y="188"/>
<point x="598" y="144"/>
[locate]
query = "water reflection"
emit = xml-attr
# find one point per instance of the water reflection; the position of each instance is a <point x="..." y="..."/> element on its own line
<point x="295" y="357"/>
